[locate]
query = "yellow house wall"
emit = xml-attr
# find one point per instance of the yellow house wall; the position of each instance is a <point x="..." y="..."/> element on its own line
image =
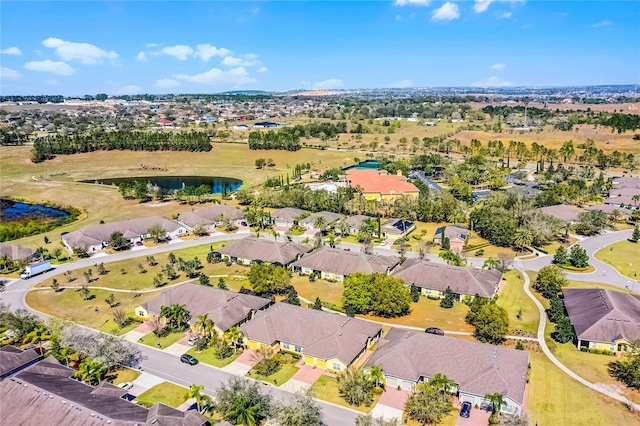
<point x="140" y="310"/>
<point x="375" y="196"/>
<point x="605" y="346"/>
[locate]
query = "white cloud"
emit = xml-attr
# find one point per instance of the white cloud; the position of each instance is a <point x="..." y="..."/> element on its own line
<point x="11" y="51"/>
<point x="262" y="69"/>
<point x="481" y="5"/>
<point x="498" y="66"/>
<point x="412" y="2"/>
<point x="85" y="53"/>
<point x="247" y="60"/>
<point x="179" y="51"/>
<point x="9" y="74"/>
<point x="506" y="15"/>
<point x="165" y="83"/>
<point x="602" y="24"/>
<point x="128" y="90"/>
<point x="401" y="84"/>
<point x="493" y="81"/>
<point x="332" y="83"/>
<point x="55" y="67"/>
<point x="447" y="12"/>
<point x="142" y="57"/>
<point x="237" y="76"/>
<point x="206" y="51"/>
<point x="51" y="82"/>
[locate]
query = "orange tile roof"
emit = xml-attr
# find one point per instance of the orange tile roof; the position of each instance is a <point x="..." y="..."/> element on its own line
<point x="380" y="182"/>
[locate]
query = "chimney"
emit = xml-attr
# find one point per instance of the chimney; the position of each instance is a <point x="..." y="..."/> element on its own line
<point x="399" y="172"/>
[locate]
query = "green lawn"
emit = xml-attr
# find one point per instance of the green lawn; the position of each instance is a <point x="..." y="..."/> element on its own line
<point x="161" y="342"/>
<point x="428" y="313"/>
<point x="624" y="256"/>
<point x="515" y="300"/>
<point x="166" y="393"/>
<point x="95" y="313"/>
<point x="207" y="356"/>
<point x="326" y="291"/>
<point x="285" y="372"/>
<point x="326" y="388"/>
<point x="125" y="375"/>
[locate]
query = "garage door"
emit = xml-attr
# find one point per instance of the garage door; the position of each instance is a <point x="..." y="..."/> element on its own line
<point x="308" y="360"/>
<point x="392" y="382"/>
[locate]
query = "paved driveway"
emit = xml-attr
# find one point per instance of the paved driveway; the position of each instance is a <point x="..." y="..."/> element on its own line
<point x="242" y="364"/>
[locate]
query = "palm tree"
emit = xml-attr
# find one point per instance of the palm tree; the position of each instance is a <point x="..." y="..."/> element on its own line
<point x="204" y="325"/>
<point x="377" y="376"/>
<point x="442" y="383"/>
<point x="635" y="199"/>
<point x="320" y="223"/>
<point x="234" y="334"/>
<point x="490" y="263"/>
<point x="38" y="335"/>
<point x="202" y="400"/>
<point x="497" y="401"/>
<point x="91" y="371"/>
<point x="523" y="238"/>
<point x="177" y="316"/>
<point x="242" y="412"/>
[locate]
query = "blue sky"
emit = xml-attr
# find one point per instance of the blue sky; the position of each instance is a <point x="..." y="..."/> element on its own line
<point x="77" y="48"/>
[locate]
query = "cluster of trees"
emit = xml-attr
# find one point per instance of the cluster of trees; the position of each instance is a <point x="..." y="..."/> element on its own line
<point x="490" y="320"/>
<point x="321" y="129"/>
<point x="577" y="257"/>
<point x="266" y="278"/>
<point x="12" y="137"/>
<point x="286" y="139"/>
<point x="378" y="294"/>
<point x="47" y="147"/>
<point x="144" y="191"/>
<point x="627" y="370"/>
<point x="549" y="283"/>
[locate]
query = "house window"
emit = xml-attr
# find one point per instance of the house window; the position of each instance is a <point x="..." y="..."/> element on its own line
<point x="335" y="366"/>
<point x="298" y="349"/>
<point x="141" y="313"/>
<point x="285" y="346"/>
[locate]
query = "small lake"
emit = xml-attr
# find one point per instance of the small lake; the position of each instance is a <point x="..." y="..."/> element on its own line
<point x="177" y="182"/>
<point x="365" y="165"/>
<point x="15" y="210"/>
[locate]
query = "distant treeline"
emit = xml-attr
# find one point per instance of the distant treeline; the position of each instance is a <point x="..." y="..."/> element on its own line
<point x="46" y="148"/>
<point x="288" y="138"/>
<point x="41" y="99"/>
<point x="8" y="137"/>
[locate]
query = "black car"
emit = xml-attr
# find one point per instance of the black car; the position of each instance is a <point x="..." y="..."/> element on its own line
<point x="188" y="359"/>
<point x="434" y="330"/>
<point x="465" y="410"/>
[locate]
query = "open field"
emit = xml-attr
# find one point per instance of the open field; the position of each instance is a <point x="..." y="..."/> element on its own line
<point x="515" y="301"/>
<point x="166" y="393"/>
<point x="623" y="255"/>
<point x="326" y="291"/>
<point x="94" y="313"/>
<point x="326" y="388"/>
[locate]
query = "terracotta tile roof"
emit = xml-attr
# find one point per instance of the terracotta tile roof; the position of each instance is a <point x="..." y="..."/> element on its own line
<point x="379" y="182"/>
<point x="603" y="315"/>
<point x="478" y="368"/>
<point x="471" y="281"/>
<point x="343" y="262"/>
<point x="321" y="334"/>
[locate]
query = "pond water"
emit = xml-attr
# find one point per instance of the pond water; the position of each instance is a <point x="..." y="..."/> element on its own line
<point x="178" y="182"/>
<point x="365" y="165"/>
<point x="15" y="210"/>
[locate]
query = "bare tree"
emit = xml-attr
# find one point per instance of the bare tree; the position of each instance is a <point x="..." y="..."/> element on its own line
<point x="367" y="247"/>
<point x="156" y="325"/>
<point x="504" y="261"/>
<point x="120" y="317"/>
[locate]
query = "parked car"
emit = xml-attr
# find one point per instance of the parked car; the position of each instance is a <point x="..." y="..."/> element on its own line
<point x="125" y="386"/>
<point x="193" y="340"/>
<point x="139" y="243"/>
<point x="383" y="243"/>
<point x="434" y="330"/>
<point x="465" y="410"/>
<point x="188" y="359"/>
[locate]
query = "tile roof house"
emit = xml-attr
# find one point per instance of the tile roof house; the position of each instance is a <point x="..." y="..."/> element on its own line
<point x="626" y="182"/>
<point x="16" y="252"/>
<point x="379" y="185"/>
<point x="609" y="209"/>
<point x="211" y="215"/>
<point x="45" y="393"/>
<point x="258" y="250"/>
<point x="603" y="319"/>
<point x="563" y="212"/>
<point x="457" y="235"/>
<point x="96" y="237"/>
<point x="410" y="357"/>
<point x="434" y="278"/>
<point x="329" y="218"/>
<point x="14" y="359"/>
<point x="396" y="228"/>
<point x="335" y="264"/>
<point x="286" y="216"/>
<point x="324" y="339"/>
<point x="622" y="200"/>
<point x="226" y="308"/>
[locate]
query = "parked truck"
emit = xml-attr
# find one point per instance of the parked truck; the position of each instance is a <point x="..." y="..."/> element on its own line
<point x="35" y="269"/>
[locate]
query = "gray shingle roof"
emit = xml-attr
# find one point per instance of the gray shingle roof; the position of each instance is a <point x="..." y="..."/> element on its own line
<point x="45" y="394"/>
<point x="132" y="228"/>
<point x="344" y="262"/>
<point x="287" y="214"/>
<point x="626" y="182"/>
<point x="16" y="252"/>
<point x="603" y="315"/>
<point x="355" y="222"/>
<point x="608" y="209"/>
<point x="478" y="368"/>
<point x="225" y="308"/>
<point x="320" y="334"/>
<point x="329" y="217"/>
<point x="209" y="215"/>
<point x="264" y="250"/>
<point x="435" y="276"/>
<point x="12" y="358"/>
<point x="451" y="231"/>
<point x="563" y="212"/>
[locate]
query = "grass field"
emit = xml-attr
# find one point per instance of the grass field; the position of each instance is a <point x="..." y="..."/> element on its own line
<point x="326" y="291"/>
<point x="166" y="393"/>
<point x="151" y="339"/>
<point x="623" y="255"/>
<point x="208" y="357"/>
<point x="515" y="300"/>
<point x="125" y="375"/>
<point x="285" y="372"/>
<point x="94" y="313"/>
<point x="326" y="388"/>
